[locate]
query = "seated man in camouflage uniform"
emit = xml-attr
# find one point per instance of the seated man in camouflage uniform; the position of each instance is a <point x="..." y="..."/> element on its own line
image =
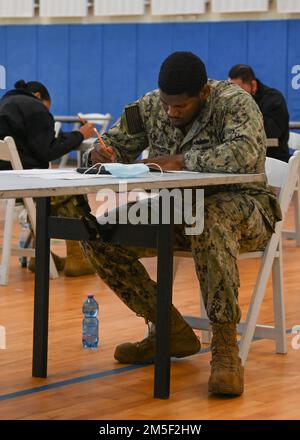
<point x="211" y="126"/>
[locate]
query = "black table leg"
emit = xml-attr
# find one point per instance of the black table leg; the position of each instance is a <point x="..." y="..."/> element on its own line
<point x="163" y="308"/>
<point x="164" y="298"/>
<point x="41" y="292"/>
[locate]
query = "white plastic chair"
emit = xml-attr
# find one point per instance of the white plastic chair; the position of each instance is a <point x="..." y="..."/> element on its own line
<point x="8" y="151"/>
<point x="100" y="120"/>
<point x="57" y="128"/>
<point x="294" y="140"/>
<point x="294" y="144"/>
<point x="284" y="176"/>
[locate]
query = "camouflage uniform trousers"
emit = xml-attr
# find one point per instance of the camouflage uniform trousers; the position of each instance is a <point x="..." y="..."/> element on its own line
<point x="233" y="223"/>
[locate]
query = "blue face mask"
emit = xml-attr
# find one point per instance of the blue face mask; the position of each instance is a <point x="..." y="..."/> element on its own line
<point x="126" y="170"/>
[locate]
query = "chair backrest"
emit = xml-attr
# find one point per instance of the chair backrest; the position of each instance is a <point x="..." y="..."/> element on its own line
<point x="9" y="152"/>
<point x="97" y="119"/>
<point x="294" y="140"/>
<point x="57" y="128"/>
<point x="284" y="176"/>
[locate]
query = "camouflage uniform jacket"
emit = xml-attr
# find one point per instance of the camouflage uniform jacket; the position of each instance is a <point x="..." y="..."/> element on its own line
<point x="227" y="137"/>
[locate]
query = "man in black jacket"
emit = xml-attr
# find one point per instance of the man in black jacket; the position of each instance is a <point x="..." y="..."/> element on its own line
<point x="25" y="116"/>
<point x="272" y="105"/>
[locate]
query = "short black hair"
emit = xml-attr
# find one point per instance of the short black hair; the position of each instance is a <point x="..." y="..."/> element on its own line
<point x="242" y="71"/>
<point x="182" y="72"/>
<point x="34" y="87"/>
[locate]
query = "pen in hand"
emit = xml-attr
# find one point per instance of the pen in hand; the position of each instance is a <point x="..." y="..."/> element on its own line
<point x="107" y="150"/>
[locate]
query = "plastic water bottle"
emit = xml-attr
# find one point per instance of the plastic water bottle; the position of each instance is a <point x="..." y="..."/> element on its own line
<point x="24" y="234"/>
<point x="90" y="323"/>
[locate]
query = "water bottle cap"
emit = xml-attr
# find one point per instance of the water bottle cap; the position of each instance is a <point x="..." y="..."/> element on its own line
<point x="90" y="296"/>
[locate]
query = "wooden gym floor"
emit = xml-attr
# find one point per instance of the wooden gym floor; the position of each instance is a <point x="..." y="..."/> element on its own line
<point x="85" y="384"/>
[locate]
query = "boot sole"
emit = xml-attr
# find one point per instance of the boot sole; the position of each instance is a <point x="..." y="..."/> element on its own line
<point x="226" y="390"/>
<point x="151" y="361"/>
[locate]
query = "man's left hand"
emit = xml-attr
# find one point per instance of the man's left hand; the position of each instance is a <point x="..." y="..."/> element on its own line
<point x="168" y="163"/>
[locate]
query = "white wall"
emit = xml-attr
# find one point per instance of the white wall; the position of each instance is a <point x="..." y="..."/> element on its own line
<point x="148" y="18"/>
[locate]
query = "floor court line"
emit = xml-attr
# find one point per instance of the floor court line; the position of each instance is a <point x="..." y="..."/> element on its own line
<point x="86" y="378"/>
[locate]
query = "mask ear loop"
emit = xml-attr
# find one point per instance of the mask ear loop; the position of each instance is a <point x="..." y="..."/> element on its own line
<point x="156" y="165"/>
<point x="93" y="166"/>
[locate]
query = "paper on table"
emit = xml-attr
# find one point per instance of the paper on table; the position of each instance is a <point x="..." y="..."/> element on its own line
<point x="66" y="176"/>
<point x="50" y="174"/>
<point x="71" y="176"/>
<point x="37" y="171"/>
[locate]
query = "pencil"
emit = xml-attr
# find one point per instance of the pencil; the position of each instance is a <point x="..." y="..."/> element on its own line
<point x="80" y="119"/>
<point x="106" y="148"/>
<point x="100" y="139"/>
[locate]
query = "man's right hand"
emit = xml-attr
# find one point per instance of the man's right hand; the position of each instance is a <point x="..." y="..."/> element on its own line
<point x="87" y="130"/>
<point x="99" y="154"/>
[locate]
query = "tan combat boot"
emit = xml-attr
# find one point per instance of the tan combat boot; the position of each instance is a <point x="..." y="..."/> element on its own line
<point x="76" y="263"/>
<point x="59" y="262"/>
<point x="183" y="341"/>
<point x="227" y="372"/>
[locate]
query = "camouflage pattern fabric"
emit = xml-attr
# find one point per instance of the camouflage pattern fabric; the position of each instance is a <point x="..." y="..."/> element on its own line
<point x="69" y="206"/>
<point x="228" y="136"/>
<point x="233" y="223"/>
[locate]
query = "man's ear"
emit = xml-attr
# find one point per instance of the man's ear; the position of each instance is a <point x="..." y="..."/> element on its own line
<point x="253" y="86"/>
<point x="204" y="92"/>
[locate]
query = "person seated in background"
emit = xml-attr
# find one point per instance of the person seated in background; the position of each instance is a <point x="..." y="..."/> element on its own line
<point x="272" y="105"/>
<point x="25" y="116"/>
<point x="191" y="123"/>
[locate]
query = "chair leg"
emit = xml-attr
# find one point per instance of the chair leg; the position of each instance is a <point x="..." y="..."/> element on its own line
<point x="278" y="303"/>
<point x="78" y="158"/>
<point x="206" y="335"/>
<point x="257" y="297"/>
<point x="296" y="202"/>
<point x="30" y="206"/>
<point x="63" y="161"/>
<point x="7" y="238"/>
<point x="52" y="269"/>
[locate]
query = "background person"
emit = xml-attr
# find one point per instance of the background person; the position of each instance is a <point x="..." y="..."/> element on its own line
<point x="272" y="105"/>
<point x="25" y="116"/>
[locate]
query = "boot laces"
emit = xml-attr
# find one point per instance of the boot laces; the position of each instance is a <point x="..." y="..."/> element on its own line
<point x="224" y="352"/>
<point x="146" y="341"/>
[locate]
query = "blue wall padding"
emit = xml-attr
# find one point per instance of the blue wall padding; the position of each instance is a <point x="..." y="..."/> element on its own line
<point x="101" y="67"/>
